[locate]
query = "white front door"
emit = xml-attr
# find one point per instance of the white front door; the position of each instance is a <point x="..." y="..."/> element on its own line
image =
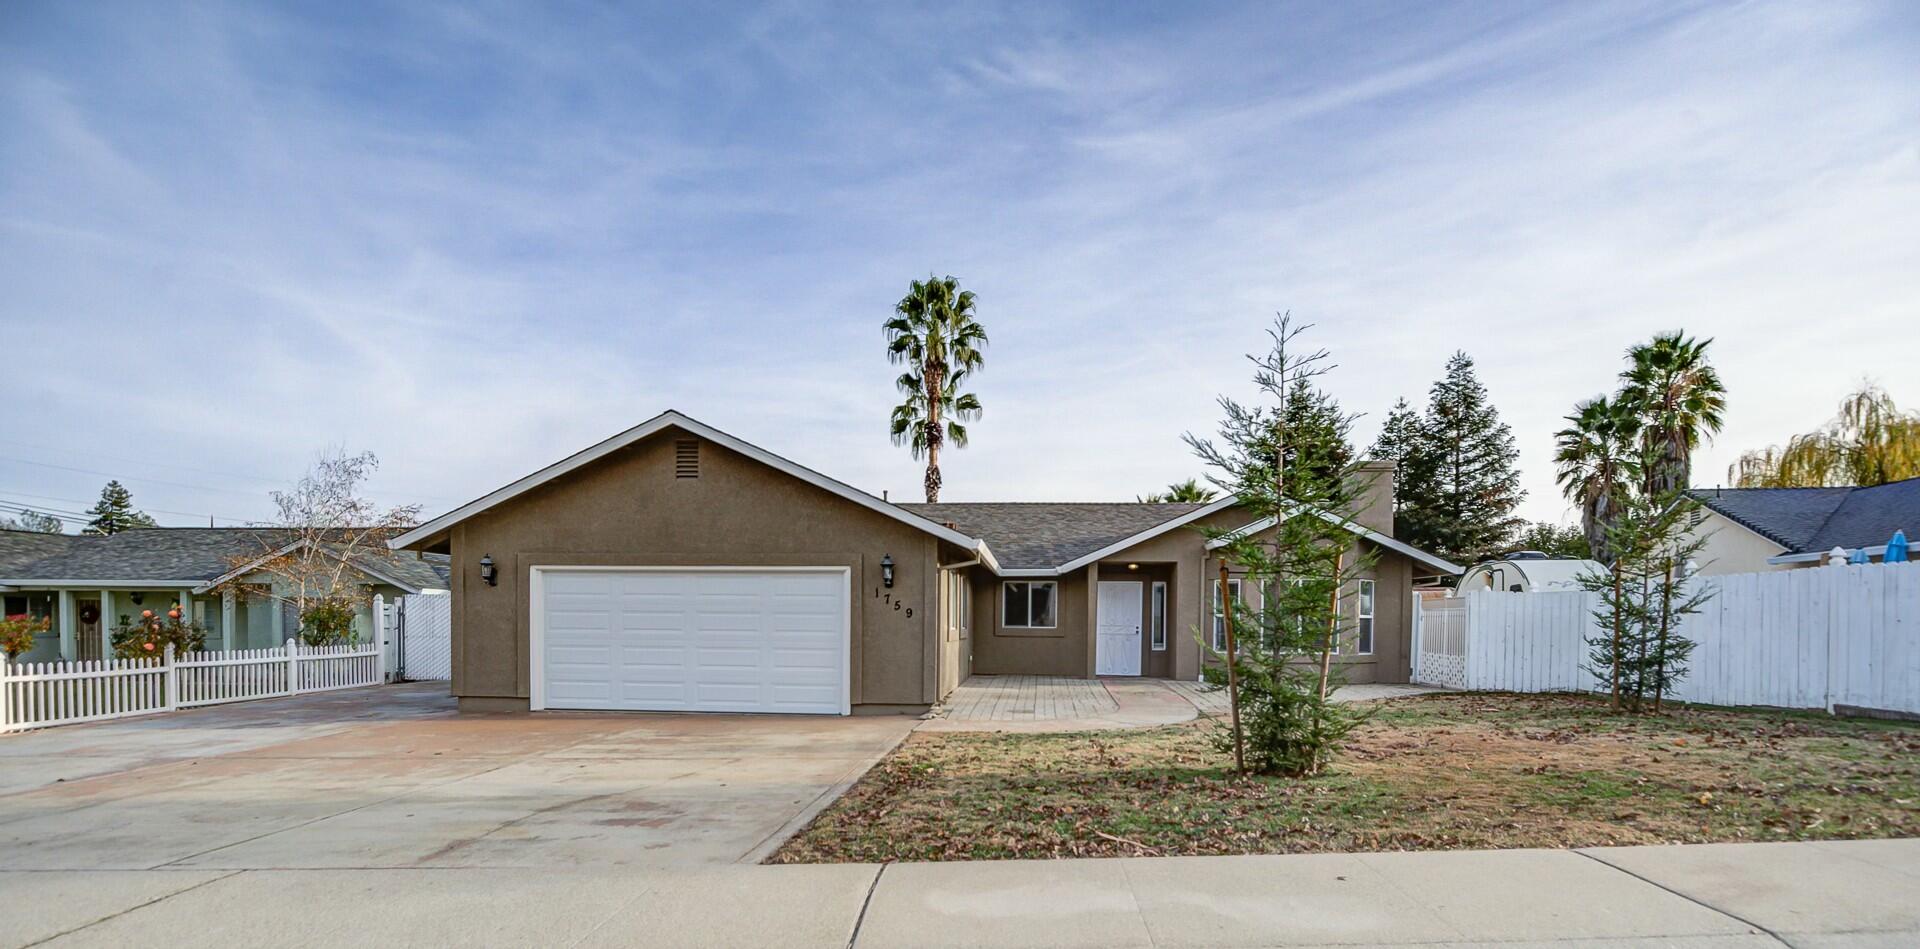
<point x="691" y="640"/>
<point x="1116" y="650"/>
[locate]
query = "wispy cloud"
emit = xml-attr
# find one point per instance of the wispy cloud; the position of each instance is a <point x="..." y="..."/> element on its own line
<point x="473" y="239"/>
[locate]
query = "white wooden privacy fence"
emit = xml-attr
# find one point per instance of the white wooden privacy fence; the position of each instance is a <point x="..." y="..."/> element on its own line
<point x="40" y="694"/>
<point x="1844" y="637"/>
<point x="421" y="627"/>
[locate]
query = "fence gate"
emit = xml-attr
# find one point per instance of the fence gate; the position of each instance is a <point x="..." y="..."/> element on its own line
<point x="420" y="627"/>
<point x="1441" y="642"/>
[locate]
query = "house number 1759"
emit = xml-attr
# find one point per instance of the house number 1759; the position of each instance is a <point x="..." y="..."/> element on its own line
<point x="888" y="598"/>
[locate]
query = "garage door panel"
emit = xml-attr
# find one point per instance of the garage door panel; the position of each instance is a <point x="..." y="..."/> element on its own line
<point x="693" y="640"/>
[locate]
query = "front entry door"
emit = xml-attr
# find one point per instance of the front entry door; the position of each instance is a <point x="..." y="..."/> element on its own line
<point x="1116" y="650"/>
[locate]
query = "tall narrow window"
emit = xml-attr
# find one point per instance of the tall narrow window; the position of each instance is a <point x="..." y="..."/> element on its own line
<point x="1220" y="614"/>
<point x="1363" y="622"/>
<point x="1159" y="629"/>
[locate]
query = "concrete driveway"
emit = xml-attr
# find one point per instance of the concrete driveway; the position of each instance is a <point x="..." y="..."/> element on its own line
<point x="391" y="777"/>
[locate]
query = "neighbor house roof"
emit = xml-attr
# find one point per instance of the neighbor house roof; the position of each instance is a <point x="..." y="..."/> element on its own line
<point x="1041" y="535"/>
<point x="166" y="556"/>
<point x="1812" y="520"/>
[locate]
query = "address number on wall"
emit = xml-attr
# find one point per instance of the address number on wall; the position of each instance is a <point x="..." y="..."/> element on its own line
<point x="898" y="605"/>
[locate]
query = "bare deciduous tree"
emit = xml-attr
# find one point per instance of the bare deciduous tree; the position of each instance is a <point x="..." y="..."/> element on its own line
<point x="326" y="537"/>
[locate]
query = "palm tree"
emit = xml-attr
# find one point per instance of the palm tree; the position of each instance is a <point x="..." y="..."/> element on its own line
<point x="1190" y="491"/>
<point x="934" y="334"/>
<point x="1679" y="398"/>
<point x="1596" y="457"/>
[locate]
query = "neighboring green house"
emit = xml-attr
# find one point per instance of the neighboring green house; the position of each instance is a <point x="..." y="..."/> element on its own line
<point x="90" y="584"/>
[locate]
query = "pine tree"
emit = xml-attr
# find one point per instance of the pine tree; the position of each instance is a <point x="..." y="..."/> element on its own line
<point x="114" y="512"/>
<point x="1402" y="442"/>
<point x="1475" y="488"/>
<point x="1316" y="449"/>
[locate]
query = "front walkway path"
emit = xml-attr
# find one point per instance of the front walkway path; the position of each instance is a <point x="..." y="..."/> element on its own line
<point x="1062" y="704"/>
<point x="1855" y="895"/>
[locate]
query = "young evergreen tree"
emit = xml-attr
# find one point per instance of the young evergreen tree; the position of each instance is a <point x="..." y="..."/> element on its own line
<point x="1638" y="652"/>
<point x="1275" y="658"/>
<point x="114" y="512"/>
<point x="1475" y="488"/>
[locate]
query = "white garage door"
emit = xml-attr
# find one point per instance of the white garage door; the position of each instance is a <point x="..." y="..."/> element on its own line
<point x="705" y="640"/>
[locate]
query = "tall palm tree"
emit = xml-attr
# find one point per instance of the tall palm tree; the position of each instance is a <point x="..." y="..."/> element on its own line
<point x="1679" y="398"/>
<point x="1190" y="491"/>
<point x="1597" y="457"/>
<point x="933" y="332"/>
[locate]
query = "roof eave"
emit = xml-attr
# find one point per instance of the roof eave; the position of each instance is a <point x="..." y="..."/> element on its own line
<point x="1811" y="556"/>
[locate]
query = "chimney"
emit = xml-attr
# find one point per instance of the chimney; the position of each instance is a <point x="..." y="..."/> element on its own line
<point x="1373" y="504"/>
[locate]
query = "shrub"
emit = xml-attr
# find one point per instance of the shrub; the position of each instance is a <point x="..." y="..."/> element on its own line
<point x="18" y="632"/>
<point x="149" y="635"/>
<point x="328" y="622"/>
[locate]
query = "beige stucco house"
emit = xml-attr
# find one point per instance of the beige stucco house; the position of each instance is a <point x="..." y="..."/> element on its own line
<point x="675" y="567"/>
<point x="1750" y="530"/>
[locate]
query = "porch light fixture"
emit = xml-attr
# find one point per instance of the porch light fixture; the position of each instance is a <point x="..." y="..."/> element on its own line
<point x="139" y="598"/>
<point x="886" y="571"/>
<point x="487" y="573"/>
<point x="1133" y="566"/>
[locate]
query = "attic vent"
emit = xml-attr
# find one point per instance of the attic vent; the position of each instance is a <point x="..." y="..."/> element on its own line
<point x="686" y="458"/>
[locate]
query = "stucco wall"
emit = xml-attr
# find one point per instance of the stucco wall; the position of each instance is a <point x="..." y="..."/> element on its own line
<point x="1002" y="650"/>
<point x="629" y="509"/>
<point x="1180" y="557"/>
<point x="1731" y="548"/>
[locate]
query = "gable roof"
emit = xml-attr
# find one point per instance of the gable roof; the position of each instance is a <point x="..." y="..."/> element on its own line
<point x="431" y="530"/>
<point x="1059" y="536"/>
<point x="1400" y="547"/>
<point x="1811" y="520"/>
<point x="168" y="556"/>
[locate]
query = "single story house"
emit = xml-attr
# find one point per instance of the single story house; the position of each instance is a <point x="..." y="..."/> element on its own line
<point x="1749" y="530"/>
<point x="90" y="584"/>
<point x="674" y="567"/>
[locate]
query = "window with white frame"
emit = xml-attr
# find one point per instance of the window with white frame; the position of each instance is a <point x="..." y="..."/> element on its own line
<point x="959" y="604"/>
<point x="1363" y="617"/>
<point x="1158" y="636"/>
<point x="1220" y="615"/>
<point x="1028" y="604"/>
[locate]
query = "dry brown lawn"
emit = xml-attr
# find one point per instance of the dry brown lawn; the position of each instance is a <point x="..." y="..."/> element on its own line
<point x="1432" y="772"/>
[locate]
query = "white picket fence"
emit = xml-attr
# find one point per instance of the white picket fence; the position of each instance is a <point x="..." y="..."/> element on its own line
<point x="43" y="694"/>
<point x="1844" y="637"/>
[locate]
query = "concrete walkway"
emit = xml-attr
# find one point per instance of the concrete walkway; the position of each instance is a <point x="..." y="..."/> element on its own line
<point x="1852" y="895"/>
<point x="1062" y="704"/>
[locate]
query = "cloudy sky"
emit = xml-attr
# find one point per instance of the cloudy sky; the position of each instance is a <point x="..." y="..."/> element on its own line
<point x="473" y="239"/>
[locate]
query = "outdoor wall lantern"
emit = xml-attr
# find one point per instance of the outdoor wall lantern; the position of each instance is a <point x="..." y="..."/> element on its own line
<point x="139" y="598"/>
<point x="487" y="572"/>
<point x="886" y="571"/>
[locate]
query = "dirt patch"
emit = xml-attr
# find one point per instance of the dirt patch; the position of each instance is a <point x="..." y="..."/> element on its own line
<point x="1431" y="772"/>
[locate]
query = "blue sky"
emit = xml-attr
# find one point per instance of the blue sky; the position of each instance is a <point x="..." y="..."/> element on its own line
<point x="473" y="238"/>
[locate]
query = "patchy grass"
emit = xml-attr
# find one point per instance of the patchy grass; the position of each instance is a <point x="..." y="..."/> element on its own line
<point x="1425" y="773"/>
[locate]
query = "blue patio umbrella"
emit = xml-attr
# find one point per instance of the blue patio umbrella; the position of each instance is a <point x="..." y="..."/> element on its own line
<point x="1859" y="555"/>
<point x="1896" y="548"/>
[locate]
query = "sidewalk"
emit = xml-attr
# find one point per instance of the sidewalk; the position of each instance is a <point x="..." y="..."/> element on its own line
<point x="1846" y="895"/>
